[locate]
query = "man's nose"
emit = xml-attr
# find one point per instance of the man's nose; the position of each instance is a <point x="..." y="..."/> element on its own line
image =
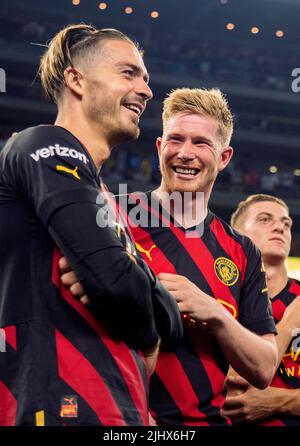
<point x="143" y="89"/>
<point x="186" y="151"/>
<point x="278" y="226"/>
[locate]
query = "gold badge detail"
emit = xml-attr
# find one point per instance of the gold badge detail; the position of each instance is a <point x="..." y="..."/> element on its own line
<point x="226" y="271"/>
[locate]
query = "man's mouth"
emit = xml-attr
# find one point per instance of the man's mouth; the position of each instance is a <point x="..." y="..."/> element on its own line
<point x="136" y="108"/>
<point x="188" y="171"/>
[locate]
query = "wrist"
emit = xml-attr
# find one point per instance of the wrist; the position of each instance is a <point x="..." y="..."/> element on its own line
<point x="218" y="318"/>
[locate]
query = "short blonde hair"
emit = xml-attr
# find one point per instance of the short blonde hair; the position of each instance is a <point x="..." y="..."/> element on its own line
<point x="237" y="217"/>
<point x="70" y="45"/>
<point x="206" y="102"/>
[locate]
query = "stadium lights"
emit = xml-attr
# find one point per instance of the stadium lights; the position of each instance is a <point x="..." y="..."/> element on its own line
<point x="230" y="26"/>
<point x="154" y="14"/>
<point x="273" y="169"/>
<point x="255" y="30"/>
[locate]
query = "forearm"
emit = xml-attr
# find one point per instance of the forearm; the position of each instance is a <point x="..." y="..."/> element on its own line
<point x="253" y="357"/>
<point x="119" y="290"/>
<point x="288" y="401"/>
<point x="283" y="338"/>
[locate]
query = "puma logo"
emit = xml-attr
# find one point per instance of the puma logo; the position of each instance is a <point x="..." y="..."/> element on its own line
<point x="145" y="251"/>
<point x="67" y="170"/>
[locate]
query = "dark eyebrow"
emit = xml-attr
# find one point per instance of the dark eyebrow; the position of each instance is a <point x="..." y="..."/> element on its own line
<point x="136" y="69"/>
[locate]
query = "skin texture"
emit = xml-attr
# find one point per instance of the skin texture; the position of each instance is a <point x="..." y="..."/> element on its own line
<point x="97" y="92"/>
<point x="268" y="225"/>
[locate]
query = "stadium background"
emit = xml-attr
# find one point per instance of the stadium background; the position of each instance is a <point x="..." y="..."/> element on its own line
<point x="247" y="48"/>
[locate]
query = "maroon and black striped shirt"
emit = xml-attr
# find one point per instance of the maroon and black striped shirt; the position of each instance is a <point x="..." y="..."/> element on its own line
<point x="187" y="387"/>
<point x="288" y="373"/>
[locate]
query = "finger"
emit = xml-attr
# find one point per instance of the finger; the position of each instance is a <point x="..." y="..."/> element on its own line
<point x="233" y="402"/>
<point x="235" y="415"/>
<point x="69" y="279"/>
<point x="171" y="286"/>
<point x="77" y="290"/>
<point x="168" y="277"/>
<point x="85" y="300"/>
<point x="64" y="266"/>
<point x="236" y="381"/>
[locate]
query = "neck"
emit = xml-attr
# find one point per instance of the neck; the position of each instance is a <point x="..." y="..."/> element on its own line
<point x="90" y="137"/>
<point x="277" y="277"/>
<point x="189" y="211"/>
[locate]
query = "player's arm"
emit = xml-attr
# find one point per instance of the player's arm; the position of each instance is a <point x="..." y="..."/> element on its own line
<point x="252" y="356"/>
<point x="245" y="403"/>
<point x="286" y="327"/>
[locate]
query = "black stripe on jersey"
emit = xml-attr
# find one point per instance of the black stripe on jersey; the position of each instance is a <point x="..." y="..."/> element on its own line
<point x="66" y="320"/>
<point x="199" y="379"/>
<point x="286" y="296"/>
<point x="166" y="403"/>
<point x="177" y="254"/>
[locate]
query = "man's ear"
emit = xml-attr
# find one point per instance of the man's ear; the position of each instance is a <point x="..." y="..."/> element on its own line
<point x="225" y="157"/>
<point x="158" y="144"/>
<point x="73" y="80"/>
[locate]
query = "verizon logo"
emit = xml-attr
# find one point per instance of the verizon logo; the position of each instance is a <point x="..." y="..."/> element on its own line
<point x="57" y="150"/>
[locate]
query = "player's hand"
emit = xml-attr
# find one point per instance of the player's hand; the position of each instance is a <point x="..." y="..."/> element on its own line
<point x="69" y="279"/>
<point x="249" y="406"/>
<point x="190" y="299"/>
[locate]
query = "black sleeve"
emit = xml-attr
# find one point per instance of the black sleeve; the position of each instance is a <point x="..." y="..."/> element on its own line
<point x="255" y="311"/>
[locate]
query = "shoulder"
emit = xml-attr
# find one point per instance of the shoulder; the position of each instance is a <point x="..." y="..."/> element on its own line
<point x="44" y="141"/>
<point x="236" y="238"/>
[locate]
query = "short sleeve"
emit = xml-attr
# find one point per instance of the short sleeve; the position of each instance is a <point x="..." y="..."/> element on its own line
<point x="255" y="307"/>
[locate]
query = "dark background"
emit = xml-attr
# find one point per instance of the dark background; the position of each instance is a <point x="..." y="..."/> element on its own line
<point x="187" y="45"/>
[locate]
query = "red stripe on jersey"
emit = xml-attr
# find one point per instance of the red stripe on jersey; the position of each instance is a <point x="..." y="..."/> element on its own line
<point x="278" y="308"/>
<point x="188" y="403"/>
<point x="230" y="246"/>
<point x="161" y="264"/>
<point x="98" y="397"/>
<point x="272" y="423"/>
<point x="205" y="263"/>
<point x="197" y="249"/>
<point x="204" y="347"/>
<point x="8" y="406"/>
<point x="11" y="336"/>
<point x="118" y="349"/>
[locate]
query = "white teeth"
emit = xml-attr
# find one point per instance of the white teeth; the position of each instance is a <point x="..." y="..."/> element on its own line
<point x="133" y="107"/>
<point x="185" y="171"/>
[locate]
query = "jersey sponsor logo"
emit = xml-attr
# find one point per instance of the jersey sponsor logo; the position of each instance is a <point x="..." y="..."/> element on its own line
<point x="226" y="271"/>
<point x="67" y="170"/>
<point x="146" y="251"/>
<point x="69" y="407"/>
<point x="57" y="150"/>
